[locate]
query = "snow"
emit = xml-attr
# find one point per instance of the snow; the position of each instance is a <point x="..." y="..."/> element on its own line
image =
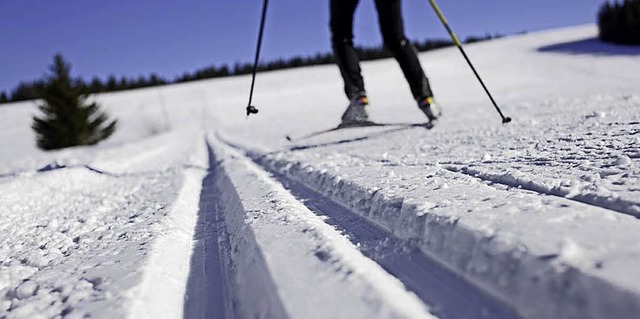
<point x="168" y="262"/>
<point x="194" y="210"/>
<point x="306" y="258"/>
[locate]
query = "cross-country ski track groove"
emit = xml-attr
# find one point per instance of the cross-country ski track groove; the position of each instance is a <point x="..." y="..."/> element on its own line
<point x="471" y="256"/>
<point x="207" y="293"/>
<point x="448" y="294"/>
<point x="211" y="294"/>
<point x="616" y="206"/>
<point x="306" y="268"/>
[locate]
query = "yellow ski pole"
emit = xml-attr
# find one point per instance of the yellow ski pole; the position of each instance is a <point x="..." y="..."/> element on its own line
<point x="459" y="45"/>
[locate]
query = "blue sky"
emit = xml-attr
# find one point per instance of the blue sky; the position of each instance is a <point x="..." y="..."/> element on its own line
<point x="168" y="37"/>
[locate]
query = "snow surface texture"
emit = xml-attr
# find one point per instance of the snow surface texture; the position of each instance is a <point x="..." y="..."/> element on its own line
<point x="75" y="236"/>
<point x="191" y="210"/>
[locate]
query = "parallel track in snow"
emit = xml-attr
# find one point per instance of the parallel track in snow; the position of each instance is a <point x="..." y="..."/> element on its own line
<point x="447" y="294"/>
<point x="617" y="206"/>
<point x="464" y="231"/>
<point x="594" y="200"/>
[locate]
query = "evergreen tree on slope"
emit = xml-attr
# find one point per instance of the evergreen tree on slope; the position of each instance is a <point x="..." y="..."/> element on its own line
<point x="67" y="120"/>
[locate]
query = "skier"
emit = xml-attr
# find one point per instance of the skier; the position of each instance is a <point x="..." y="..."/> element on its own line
<point x="391" y="27"/>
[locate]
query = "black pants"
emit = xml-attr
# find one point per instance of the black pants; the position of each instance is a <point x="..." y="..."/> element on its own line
<point x="391" y="26"/>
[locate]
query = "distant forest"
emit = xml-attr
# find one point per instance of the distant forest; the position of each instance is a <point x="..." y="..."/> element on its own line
<point x="31" y="90"/>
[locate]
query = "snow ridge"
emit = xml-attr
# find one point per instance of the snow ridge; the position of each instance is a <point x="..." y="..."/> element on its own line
<point x="303" y="260"/>
<point x="617" y="204"/>
<point x="169" y="254"/>
<point x="536" y="284"/>
<point x="448" y="295"/>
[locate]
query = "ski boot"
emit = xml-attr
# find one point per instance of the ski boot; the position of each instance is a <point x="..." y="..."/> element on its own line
<point x="429" y="107"/>
<point x="356" y="111"/>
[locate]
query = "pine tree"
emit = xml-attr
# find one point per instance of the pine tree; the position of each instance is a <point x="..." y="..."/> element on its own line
<point x="123" y="84"/>
<point x="67" y="119"/>
<point x="620" y="22"/>
<point x="3" y="97"/>
<point x="96" y="85"/>
<point x="112" y="84"/>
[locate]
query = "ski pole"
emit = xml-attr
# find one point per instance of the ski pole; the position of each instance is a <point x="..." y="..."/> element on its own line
<point x="250" y="108"/>
<point x="459" y="45"/>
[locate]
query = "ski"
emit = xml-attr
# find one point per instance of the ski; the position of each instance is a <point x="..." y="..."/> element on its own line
<point x="343" y="126"/>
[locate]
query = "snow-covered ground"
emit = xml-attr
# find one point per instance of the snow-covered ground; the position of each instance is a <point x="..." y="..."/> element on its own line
<point x="193" y="210"/>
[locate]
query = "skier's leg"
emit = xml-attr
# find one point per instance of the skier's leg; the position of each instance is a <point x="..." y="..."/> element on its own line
<point x="391" y="26"/>
<point x="341" y="26"/>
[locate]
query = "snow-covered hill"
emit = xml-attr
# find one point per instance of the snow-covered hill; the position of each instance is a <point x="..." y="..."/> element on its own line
<point x="193" y="210"/>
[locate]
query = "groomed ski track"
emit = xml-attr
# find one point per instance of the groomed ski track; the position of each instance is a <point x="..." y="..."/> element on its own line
<point x="449" y="266"/>
<point x="340" y="258"/>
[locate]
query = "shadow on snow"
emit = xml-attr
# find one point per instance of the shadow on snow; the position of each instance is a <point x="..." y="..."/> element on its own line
<point x="591" y="46"/>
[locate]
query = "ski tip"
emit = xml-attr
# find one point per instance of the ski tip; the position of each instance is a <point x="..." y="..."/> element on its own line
<point x="288" y="138"/>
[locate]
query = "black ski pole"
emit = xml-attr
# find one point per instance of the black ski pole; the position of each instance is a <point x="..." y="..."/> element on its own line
<point x="250" y="108"/>
<point x="459" y="45"/>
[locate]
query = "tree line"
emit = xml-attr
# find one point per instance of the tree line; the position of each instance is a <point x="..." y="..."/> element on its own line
<point x="33" y="90"/>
